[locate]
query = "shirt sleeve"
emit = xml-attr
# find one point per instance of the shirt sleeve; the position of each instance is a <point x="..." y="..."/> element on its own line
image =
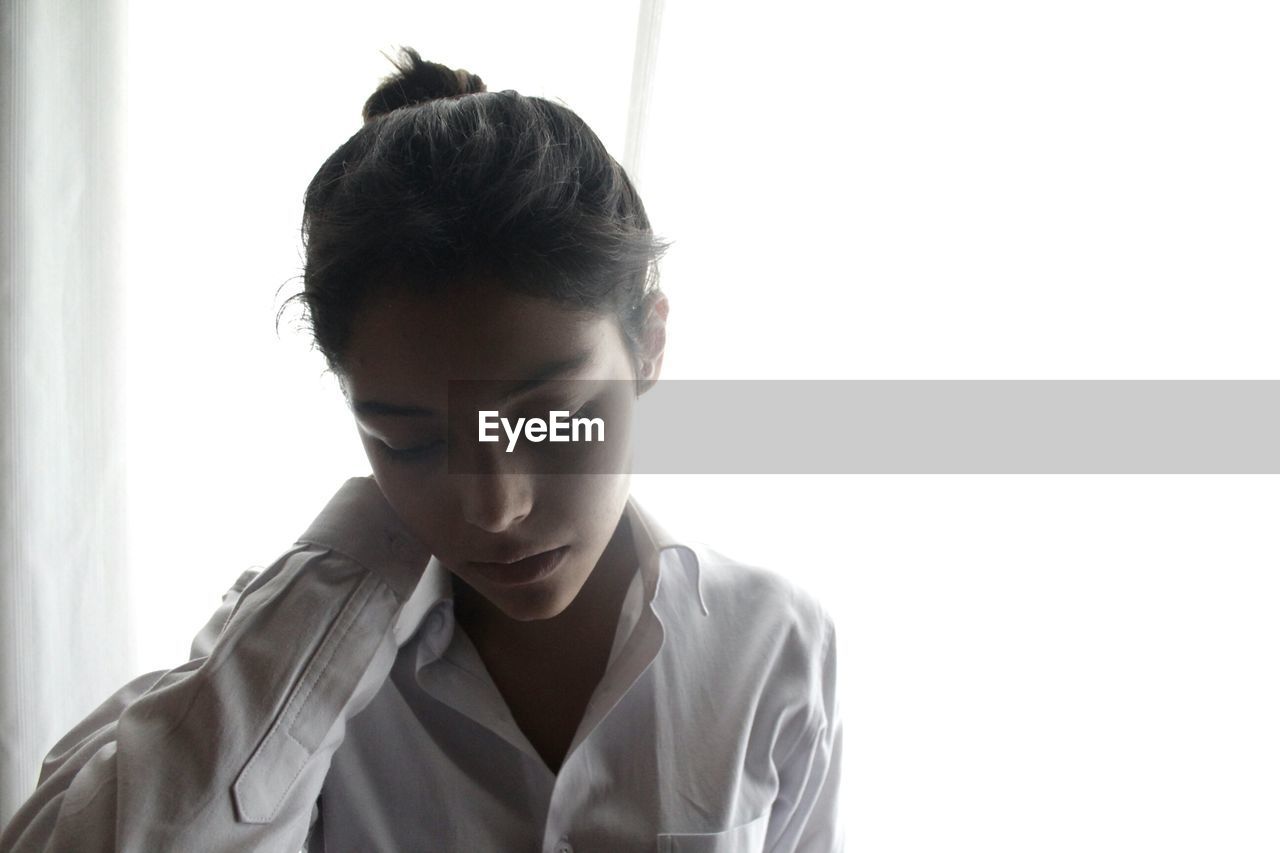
<point x="807" y="807"/>
<point x="227" y="752"/>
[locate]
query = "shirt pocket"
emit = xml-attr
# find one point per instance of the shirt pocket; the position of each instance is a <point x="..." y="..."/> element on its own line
<point x="746" y="838"/>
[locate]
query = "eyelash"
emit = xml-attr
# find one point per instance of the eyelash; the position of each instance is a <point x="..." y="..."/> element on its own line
<point x="410" y="454"/>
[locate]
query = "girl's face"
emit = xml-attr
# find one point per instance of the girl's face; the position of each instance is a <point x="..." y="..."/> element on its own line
<point x="404" y="350"/>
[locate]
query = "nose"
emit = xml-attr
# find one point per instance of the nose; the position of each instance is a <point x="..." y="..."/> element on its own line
<point x="497" y="496"/>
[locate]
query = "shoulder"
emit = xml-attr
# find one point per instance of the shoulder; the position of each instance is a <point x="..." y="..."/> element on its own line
<point x="746" y="587"/>
<point x="745" y="600"/>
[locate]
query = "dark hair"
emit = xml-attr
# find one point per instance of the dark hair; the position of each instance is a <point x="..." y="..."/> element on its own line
<point x="447" y="182"/>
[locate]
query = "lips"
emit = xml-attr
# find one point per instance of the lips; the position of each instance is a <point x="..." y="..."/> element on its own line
<point x="528" y="570"/>
<point x="515" y="556"/>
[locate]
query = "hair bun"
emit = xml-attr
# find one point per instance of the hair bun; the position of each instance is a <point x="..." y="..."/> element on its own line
<point x="417" y="81"/>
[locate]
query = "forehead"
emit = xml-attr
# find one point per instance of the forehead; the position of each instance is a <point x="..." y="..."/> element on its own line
<point x="404" y="344"/>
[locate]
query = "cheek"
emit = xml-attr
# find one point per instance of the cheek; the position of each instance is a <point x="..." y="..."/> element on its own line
<point x="613" y="455"/>
<point x="585" y="508"/>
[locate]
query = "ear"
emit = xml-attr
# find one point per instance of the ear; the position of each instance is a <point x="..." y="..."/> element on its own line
<point x="653" y="341"/>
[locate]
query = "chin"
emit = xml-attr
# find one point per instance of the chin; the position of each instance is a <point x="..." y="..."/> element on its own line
<point x="532" y="616"/>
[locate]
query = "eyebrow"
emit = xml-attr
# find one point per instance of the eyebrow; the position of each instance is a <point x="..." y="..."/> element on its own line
<point x="540" y="377"/>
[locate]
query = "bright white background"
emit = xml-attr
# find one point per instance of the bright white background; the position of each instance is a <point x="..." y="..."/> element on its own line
<point x="988" y="190"/>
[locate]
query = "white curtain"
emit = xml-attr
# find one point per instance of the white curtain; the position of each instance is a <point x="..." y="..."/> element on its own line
<point x="63" y="643"/>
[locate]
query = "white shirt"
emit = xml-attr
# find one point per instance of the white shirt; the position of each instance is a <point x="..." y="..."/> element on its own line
<point x="331" y="702"/>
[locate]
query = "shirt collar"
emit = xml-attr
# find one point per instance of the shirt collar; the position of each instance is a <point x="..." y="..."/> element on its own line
<point x="359" y="523"/>
<point x="651" y="539"/>
<point x="434" y="597"/>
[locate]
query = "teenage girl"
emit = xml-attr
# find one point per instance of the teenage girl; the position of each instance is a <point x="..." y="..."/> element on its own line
<point x="471" y="649"/>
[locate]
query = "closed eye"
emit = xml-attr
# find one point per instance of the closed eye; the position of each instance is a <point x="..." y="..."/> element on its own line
<point x="410" y="454"/>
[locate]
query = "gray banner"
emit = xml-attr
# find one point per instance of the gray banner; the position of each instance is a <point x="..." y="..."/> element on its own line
<point x="908" y="427"/>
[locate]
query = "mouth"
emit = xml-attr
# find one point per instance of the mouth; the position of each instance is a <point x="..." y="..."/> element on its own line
<point x="529" y="570"/>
